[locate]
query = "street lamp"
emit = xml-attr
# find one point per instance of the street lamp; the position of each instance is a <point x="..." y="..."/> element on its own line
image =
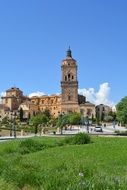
<point x="114" y="121"/>
<point x="13" y="127"/>
<point x="87" y="123"/>
<point x="125" y="119"/>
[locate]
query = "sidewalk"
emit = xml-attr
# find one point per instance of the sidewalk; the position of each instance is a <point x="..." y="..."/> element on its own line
<point x="17" y="137"/>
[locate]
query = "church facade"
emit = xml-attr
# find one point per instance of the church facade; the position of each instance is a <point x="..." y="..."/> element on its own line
<point x="68" y="101"/>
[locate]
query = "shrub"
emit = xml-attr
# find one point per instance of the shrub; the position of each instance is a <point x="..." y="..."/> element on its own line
<point x="29" y="145"/>
<point x="80" y="138"/>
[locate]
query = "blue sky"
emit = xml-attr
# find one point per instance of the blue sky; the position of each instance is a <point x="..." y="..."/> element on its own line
<point x="35" y="34"/>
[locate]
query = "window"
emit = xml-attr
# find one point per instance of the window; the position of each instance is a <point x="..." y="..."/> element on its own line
<point x="72" y="77"/>
<point x="69" y="98"/>
<point x="65" y="78"/>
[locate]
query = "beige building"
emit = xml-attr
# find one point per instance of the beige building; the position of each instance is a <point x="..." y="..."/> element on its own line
<point x="29" y="108"/>
<point x="51" y="103"/>
<point x="14" y="97"/>
<point x="68" y="101"/>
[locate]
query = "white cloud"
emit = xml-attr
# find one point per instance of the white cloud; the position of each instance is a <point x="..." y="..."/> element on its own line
<point x="98" y="97"/>
<point x="38" y="93"/>
<point x="88" y="93"/>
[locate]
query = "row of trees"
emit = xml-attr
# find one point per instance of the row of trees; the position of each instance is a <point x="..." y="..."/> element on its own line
<point x="44" y="119"/>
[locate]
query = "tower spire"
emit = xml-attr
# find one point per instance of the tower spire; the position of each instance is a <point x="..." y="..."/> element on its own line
<point x="69" y="52"/>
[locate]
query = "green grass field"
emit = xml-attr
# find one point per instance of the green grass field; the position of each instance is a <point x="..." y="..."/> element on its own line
<point x="48" y="164"/>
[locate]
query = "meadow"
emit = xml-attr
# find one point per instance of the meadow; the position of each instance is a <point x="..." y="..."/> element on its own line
<point x="45" y="163"/>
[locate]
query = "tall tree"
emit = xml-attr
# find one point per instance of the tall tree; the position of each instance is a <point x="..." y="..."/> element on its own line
<point x="122" y="110"/>
<point x="38" y="120"/>
<point x="62" y="121"/>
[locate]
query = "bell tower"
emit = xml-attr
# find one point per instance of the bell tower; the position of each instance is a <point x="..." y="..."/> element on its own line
<point x="69" y="84"/>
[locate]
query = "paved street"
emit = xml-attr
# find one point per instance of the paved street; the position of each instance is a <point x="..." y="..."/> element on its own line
<point x="106" y="130"/>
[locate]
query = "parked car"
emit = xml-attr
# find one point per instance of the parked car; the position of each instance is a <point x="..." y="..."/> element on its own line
<point x="98" y="129"/>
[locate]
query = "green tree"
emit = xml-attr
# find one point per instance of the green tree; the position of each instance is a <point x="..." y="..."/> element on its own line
<point x="122" y="110"/>
<point x="74" y="118"/>
<point x="62" y="121"/>
<point x="113" y="115"/>
<point x="5" y="121"/>
<point x="47" y="113"/>
<point x="38" y="120"/>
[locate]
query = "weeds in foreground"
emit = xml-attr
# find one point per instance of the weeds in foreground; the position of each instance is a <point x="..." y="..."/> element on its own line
<point x="41" y="164"/>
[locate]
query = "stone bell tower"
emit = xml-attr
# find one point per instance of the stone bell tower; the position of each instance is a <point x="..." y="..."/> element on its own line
<point x="69" y="84"/>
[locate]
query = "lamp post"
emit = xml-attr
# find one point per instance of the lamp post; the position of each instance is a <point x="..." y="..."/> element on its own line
<point x="13" y="127"/>
<point x="114" y="121"/>
<point x="87" y="124"/>
<point x="125" y="119"/>
<point x="83" y="121"/>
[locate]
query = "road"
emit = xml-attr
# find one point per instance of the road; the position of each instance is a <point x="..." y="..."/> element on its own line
<point x="106" y="130"/>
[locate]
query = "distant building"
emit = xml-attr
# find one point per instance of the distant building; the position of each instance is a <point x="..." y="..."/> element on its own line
<point x="14" y="97"/>
<point x="29" y="109"/>
<point x="102" y="111"/>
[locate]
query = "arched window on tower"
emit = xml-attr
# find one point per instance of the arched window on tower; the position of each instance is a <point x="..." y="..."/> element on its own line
<point x="69" y="76"/>
<point x="65" y="78"/>
<point x="72" y="77"/>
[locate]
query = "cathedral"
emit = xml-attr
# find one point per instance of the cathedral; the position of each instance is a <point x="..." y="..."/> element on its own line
<point x="68" y="101"/>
